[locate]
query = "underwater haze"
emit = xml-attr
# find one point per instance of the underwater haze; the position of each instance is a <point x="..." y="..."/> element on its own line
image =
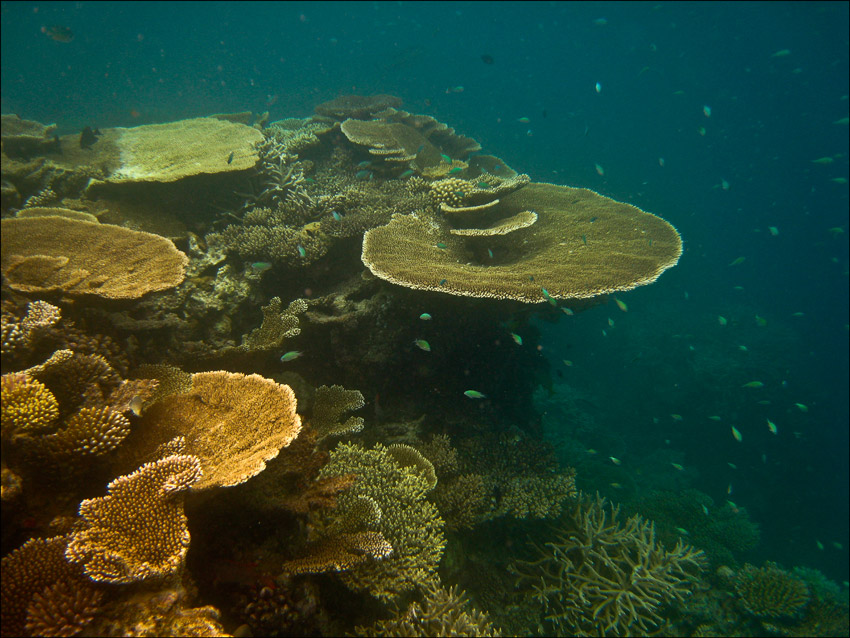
<point x="728" y="375"/>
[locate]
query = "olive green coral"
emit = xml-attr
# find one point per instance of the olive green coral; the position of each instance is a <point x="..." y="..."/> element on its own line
<point x="408" y="521"/>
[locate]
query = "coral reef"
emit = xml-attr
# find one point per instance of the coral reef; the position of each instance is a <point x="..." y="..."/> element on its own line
<point x="330" y="403"/>
<point x="605" y="577"/>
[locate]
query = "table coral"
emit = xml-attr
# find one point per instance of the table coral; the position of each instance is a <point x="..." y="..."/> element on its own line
<point x="138" y="531"/>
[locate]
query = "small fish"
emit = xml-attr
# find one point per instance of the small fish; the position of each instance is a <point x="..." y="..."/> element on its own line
<point x="819" y="545"/>
<point x="362" y="175"/>
<point x="443" y="282"/>
<point x="799" y="314"/>
<point x="422" y="344"/>
<point x="761" y="322"/>
<point x="604" y="333"/>
<point x="441" y="245"/>
<point x="615" y="460"/>
<point x="446" y="158"/>
<point x="567" y="311"/>
<point x="837" y="545"/>
<point x="425" y="316"/>
<point x="517" y="339"/>
<point x="420" y="149"/>
<point x="678" y="467"/>
<point x="724" y="184"/>
<point x="621" y="305"/>
<point x="738" y="261"/>
<point x="545" y="294"/>
<point x="682" y="531"/>
<point x="600" y="22"/>
<point x="844" y="120"/>
<point x="781" y="53"/>
<point x="733" y="466"/>
<point x="706" y="110"/>
<point x="838" y="180"/>
<point x="490" y="253"/>
<point x="616" y="486"/>
<point x="290" y="356"/>
<point x="455" y="89"/>
<point x="721" y="320"/>
<point x="835" y="231"/>
<point x="524" y="120"/>
<point x="483" y="185"/>
<point x="301" y="251"/>
<point x="610" y="322"/>
<point x="455" y="170"/>
<point x="764" y="402"/>
<point x="568" y="363"/>
<point x="743" y="348"/>
<point x="584" y="239"/>
<point x="677" y="417"/>
<point x="599" y="170"/>
<point x="772" y="427"/>
<point x="475" y="394"/>
<point x="406" y="173"/>
<point x="598" y="87"/>
<point x="715" y="418"/>
<point x="753" y="384"/>
<point x="661" y="162"/>
<point x="364" y="163"/>
<point x="802" y="407"/>
<point x="704" y="510"/>
<point x="729" y="492"/>
<point x="773" y="230"/>
<point x="488" y="59"/>
<point x="823" y="160"/>
<point x="336" y="215"/>
<point x="738" y="288"/>
<point x="261" y="266"/>
<point x="230" y="157"/>
<point x="591" y="451"/>
<point x="135" y="405"/>
<point x="737" y="434"/>
<point x="701" y="131"/>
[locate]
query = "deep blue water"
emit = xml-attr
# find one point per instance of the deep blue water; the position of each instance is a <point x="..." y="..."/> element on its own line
<point x="658" y="67"/>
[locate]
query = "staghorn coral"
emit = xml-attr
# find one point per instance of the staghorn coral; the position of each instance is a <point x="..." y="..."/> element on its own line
<point x="409" y="457"/>
<point x="232" y="422"/>
<point x="582" y="245"/>
<point x="28" y="407"/>
<point x="408" y="522"/>
<point x="770" y="592"/>
<point x="465" y="501"/>
<point x="438" y="449"/>
<point x="138" y="531"/>
<point x="56" y="254"/>
<point x="603" y="577"/>
<point x="537" y="496"/>
<point x="329" y="405"/>
<point x="442" y="612"/>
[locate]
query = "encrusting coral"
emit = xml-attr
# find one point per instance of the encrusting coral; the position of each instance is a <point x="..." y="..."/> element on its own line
<point x="604" y="577"/>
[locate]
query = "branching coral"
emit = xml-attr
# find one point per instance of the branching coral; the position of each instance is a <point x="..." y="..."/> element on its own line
<point x="442" y="612"/>
<point x="329" y="406"/>
<point x="602" y="577"/>
<point x="408" y="522"/>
